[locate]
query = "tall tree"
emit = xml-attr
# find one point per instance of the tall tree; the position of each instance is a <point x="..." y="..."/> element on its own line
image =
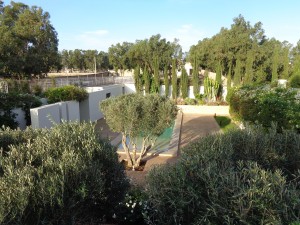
<point x="156" y="79"/>
<point x="249" y="68"/>
<point x="119" y="56"/>
<point x="237" y="73"/>
<point x="184" y="83"/>
<point x="28" y="41"/>
<point x="138" y="80"/>
<point x="275" y="62"/>
<point x="166" y="81"/>
<point x="174" y="79"/>
<point x="196" y="77"/>
<point x="147" y="80"/>
<point x="219" y="73"/>
<point x="286" y="63"/>
<point x="229" y="80"/>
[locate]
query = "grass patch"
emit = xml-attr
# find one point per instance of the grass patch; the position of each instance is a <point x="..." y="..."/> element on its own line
<point x="225" y="123"/>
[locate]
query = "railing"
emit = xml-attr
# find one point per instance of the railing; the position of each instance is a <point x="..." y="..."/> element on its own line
<point x="82" y="81"/>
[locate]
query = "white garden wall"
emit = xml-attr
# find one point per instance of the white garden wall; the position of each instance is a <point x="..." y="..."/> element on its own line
<point x="89" y="108"/>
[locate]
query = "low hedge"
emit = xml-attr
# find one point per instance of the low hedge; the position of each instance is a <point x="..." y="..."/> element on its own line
<point x="66" y="93"/>
<point x="65" y="175"/>
<point x="241" y="177"/>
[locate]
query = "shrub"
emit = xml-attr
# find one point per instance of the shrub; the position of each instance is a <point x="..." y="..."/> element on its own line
<point x="9" y="101"/>
<point x="62" y="176"/>
<point x="240" y="177"/>
<point x="295" y="81"/>
<point x="66" y="93"/>
<point x="265" y="106"/>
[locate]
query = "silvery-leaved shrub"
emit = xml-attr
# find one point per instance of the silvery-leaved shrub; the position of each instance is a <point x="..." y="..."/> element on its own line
<point x="63" y="175"/>
<point x="242" y="177"/>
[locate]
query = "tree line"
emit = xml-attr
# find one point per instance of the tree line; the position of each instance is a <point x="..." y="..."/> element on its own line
<point x="245" y="55"/>
<point x="242" y="53"/>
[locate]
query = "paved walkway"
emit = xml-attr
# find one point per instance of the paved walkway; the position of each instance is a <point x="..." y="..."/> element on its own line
<point x="194" y="126"/>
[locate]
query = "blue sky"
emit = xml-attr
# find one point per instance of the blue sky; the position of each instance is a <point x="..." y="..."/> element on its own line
<point x="97" y="24"/>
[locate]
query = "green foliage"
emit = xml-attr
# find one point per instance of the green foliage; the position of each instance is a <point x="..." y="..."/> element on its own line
<point x="211" y="89"/>
<point x="184" y="83"/>
<point x="249" y="68"/>
<point x="10" y="101"/>
<point x="64" y="175"/>
<point x="156" y="78"/>
<point x="237" y="73"/>
<point x="28" y="43"/>
<point x="134" y="209"/>
<point x="15" y="137"/>
<point x="236" y="178"/>
<point x="134" y="116"/>
<point x="295" y="81"/>
<point x="147" y="80"/>
<point x="275" y="65"/>
<point x="265" y="106"/>
<point x="166" y="82"/>
<point x="66" y="93"/>
<point x="138" y="81"/>
<point x="196" y="77"/>
<point x="225" y="123"/>
<point x="174" y="79"/>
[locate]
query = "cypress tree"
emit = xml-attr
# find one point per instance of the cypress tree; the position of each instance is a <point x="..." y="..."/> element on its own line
<point x="184" y="81"/>
<point x="219" y="73"/>
<point x="286" y="62"/>
<point x="249" y="68"/>
<point x="174" y="80"/>
<point x="196" y="77"/>
<point x="237" y="73"/>
<point x="156" y="84"/>
<point x="147" y="80"/>
<point x="261" y="75"/>
<point x="229" y="76"/>
<point x="166" y="81"/>
<point x="275" y="65"/>
<point x="138" y="80"/>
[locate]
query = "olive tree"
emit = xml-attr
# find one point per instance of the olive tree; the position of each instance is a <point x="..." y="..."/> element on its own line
<point x="134" y="116"/>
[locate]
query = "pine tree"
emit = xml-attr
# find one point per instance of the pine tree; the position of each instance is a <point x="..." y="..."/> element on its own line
<point x="174" y="80"/>
<point x="147" y="80"/>
<point x="275" y="65"/>
<point x="184" y="82"/>
<point x="196" y="77"/>
<point x="166" y="81"/>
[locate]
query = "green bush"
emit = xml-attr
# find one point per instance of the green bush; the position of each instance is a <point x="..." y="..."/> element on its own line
<point x="66" y="93"/>
<point x="241" y="177"/>
<point x="63" y="175"/>
<point x="9" y="101"/>
<point x="295" y="81"/>
<point x="265" y="106"/>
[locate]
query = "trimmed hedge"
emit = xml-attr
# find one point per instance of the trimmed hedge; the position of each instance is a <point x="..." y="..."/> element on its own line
<point x="241" y="177"/>
<point x="66" y="93"/>
<point x="63" y="175"/>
